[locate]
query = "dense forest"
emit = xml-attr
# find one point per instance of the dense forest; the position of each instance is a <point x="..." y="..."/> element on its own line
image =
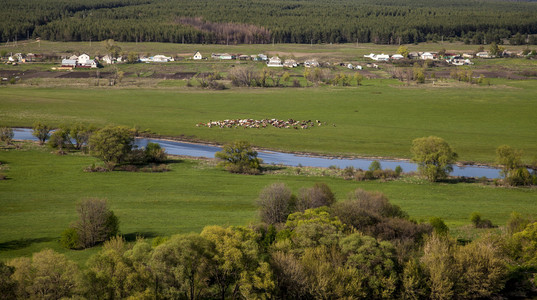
<point x="266" y="21"/>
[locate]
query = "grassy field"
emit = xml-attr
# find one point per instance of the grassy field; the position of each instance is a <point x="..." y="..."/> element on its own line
<point x="39" y="198"/>
<point x="380" y="118"/>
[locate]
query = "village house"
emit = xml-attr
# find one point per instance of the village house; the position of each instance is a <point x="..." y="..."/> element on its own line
<point x="222" y="56"/>
<point x="426" y="56"/>
<point x="107" y="59"/>
<point x="161" y="58"/>
<point x="84" y="61"/>
<point x="413" y="55"/>
<point x="262" y="57"/>
<point x="467" y="55"/>
<point x="197" y="56"/>
<point x="244" y="57"/>
<point x="397" y="57"/>
<point x="274" y="62"/>
<point x="378" y="57"/>
<point x="311" y="63"/>
<point x="68" y="63"/>
<point x="483" y="54"/>
<point x="290" y="63"/>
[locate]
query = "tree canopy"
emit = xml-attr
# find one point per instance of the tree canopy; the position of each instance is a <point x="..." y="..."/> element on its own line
<point x="434" y="157"/>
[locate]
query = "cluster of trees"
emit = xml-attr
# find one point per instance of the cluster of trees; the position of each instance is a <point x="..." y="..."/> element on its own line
<point x="363" y="247"/>
<point x="264" y="21"/>
<point x="239" y="157"/>
<point x="114" y="145"/>
<point x="513" y="170"/>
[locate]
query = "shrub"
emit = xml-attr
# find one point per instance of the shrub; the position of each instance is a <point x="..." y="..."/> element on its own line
<point x="155" y="153"/>
<point x="439" y="226"/>
<point x="69" y="239"/>
<point x="478" y="222"/>
<point x="375" y="166"/>
<point x="112" y="144"/>
<point x="96" y="222"/>
<point x="6" y="135"/>
<point x="239" y="157"/>
<point x="517" y="223"/>
<point x="398" y="170"/>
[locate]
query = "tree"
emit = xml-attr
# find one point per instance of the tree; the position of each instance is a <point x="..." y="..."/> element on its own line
<point x="112" y="48"/>
<point x="112" y="144"/>
<point x="275" y="203"/>
<point x="7" y="284"/>
<point x="81" y="134"/>
<point x="6" y="135"/>
<point x="181" y="265"/>
<point x="375" y="166"/>
<point x="96" y="222"/>
<point x="60" y="139"/>
<point x="239" y="157"/>
<point x="316" y="196"/>
<point x="41" y="132"/>
<point x="439" y="227"/>
<point x="47" y="275"/>
<point x="508" y="158"/>
<point x="403" y="50"/>
<point x="434" y="157"/>
<point x="132" y="57"/>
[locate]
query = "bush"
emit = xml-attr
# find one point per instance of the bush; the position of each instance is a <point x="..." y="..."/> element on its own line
<point x="398" y="170"/>
<point x="112" y="144"/>
<point x="439" y="226"/>
<point x="6" y="135"/>
<point x="69" y="239"/>
<point x="155" y="153"/>
<point x="239" y="157"/>
<point x="478" y="222"/>
<point x="375" y="166"/>
<point x="96" y="222"/>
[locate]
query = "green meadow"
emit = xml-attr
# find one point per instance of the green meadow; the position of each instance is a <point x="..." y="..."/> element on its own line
<point x="380" y="118"/>
<point x="38" y="200"/>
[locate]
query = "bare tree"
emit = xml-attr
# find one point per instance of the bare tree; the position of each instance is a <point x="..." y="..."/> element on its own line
<point x="275" y="203"/>
<point x="96" y="222"/>
<point x="316" y="196"/>
<point x="243" y="76"/>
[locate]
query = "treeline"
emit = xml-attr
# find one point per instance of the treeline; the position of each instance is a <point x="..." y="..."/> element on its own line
<point x="261" y="21"/>
<point x="308" y="247"/>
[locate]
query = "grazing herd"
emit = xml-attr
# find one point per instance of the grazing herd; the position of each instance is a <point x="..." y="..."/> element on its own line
<point x="251" y="123"/>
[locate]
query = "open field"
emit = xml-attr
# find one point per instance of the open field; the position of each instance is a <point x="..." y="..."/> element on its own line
<point x="42" y="190"/>
<point x="380" y="118"/>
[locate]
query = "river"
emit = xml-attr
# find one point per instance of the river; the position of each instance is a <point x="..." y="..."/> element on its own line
<point x="289" y="159"/>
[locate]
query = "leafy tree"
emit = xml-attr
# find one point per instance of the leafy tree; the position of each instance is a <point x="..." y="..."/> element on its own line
<point x="132" y="57"/>
<point x="439" y="263"/>
<point x="120" y="271"/>
<point x="275" y="203"/>
<point x="96" y="222"/>
<point x="403" y="50"/>
<point x="155" y="153"/>
<point x="6" y="135"/>
<point x="113" y="49"/>
<point x="375" y="166"/>
<point x="434" y="157"/>
<point x="235" y="257"/>
<point x="181" y="265"/>
<point x="41" y="132"/>
<point x="60" y="139"/>
<point x="414" y="281"/>
<point x="81" y="134"/>
<point x="239" y="157"/>
<point x="47" y="275"/>
<point x="70" y="239"/>
<point x="8" y="286"/>
<point x="312" y="228"/>
<point x="512" y="169"/>
<point x="517" y="222"/>
<point x="112" y="144"/>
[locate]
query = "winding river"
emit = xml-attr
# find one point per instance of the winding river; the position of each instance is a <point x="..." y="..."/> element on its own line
<point x="273" y="157"/>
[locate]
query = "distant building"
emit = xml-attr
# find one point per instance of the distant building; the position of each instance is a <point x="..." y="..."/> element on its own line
<point x="290" y="63"/>
<point x="378" y="57"/>
<point x="397" y="57"/>
<point x="197" y="56"/>
<point x="311" y="63"/>
<point x="483" y="54"/>
<point x="244" y="57"/>
<point x="262" y="57"/>
<point x="426" y="56"/>
<point x="274" y="62"/>
<point x="68" y="63"/>
<point x="161" y="58"/>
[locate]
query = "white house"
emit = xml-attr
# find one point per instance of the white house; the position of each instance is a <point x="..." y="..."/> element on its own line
<point x="311" y="63"/>
<point x="378" y="57"/>
<point x="358" y="67"/>
<point x="73" y="57"/>
<point x="483" y="54"/>
<point x="84" y="59"/>
<point x="274" y="62"/>
<point x="107" y="59"/>
<point x="226" y="56"/>
<point x="68" y="63"/>
<point x="262" y="57"/>
<point x="290" y="63"/>
<point x="397" y="57"/>
<point x="161" y="58"/>
<point x="426" y="55"/>
<point x="350" y="66"/>
<point x="197" y="56"/>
